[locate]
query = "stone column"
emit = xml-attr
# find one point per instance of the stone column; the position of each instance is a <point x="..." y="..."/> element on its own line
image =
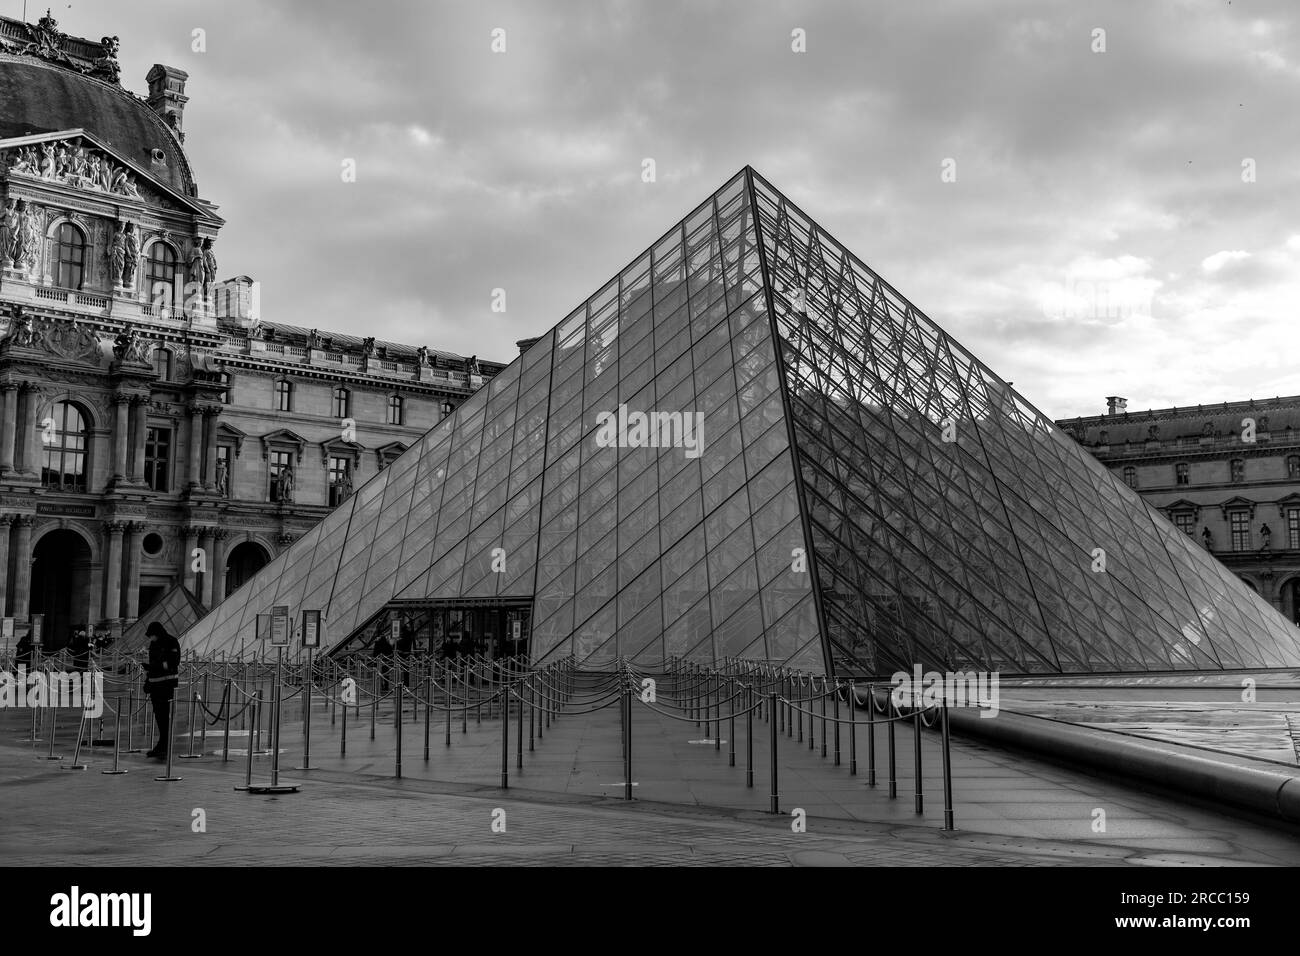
<point x="210" y="415"/>
<point x="191" y="537"/>
<point x="121" y="430"/>
<point x="5" y="522"/>
<point x="194" y="477"/>
<point x="134" y="535"/>
<point x="217" y="568"/>
<point x="29" y="438"/>
<point x="139" y="409"/>
<point x="8" y="424"/>
<point x="22" y="566"/>
<point x="113" y="570"/>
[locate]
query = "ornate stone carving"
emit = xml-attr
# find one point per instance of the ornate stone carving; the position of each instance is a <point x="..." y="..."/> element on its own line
<point x="129" y="347"/>
<point x="72" y="341"/>
<point x="72" y="163"/>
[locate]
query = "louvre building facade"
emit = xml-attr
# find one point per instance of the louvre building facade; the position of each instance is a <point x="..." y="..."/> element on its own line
<point x="748" y="445"/>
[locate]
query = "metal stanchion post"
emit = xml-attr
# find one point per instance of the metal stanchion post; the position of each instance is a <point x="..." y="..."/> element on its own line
<point x="749" y="736"/>
<point x="203" y="726"/>
<point x="871" y="735"/>
<point x="916" y="749"/>
<point x="428" y="711"/>
<point x="194" y="697"/>
<point x="306" y="715"/>
<point x="226" y="701"/>
<point x="171" y="737"/>
<point x="117" y="730"/>
<point x="627" y="744"/>
<point x="248" y="763"/>
<point x="76" y="751"/>
<point x="519" y="735"/>
<point x="731" y="731"/>
<point x="54" y="722"/>
<point x="532" y="711"/>
<point x="343" y="734"/>
<point x="853" y="730"/>
<point x="893" y="776"/>
<point x="398" y="692"/>
<point x="835" y="701"/>
<point x="947" y="770"/>
<point x="374" y="701"/>
<point x="771" y="704"/>
<point x="505" y="750"/>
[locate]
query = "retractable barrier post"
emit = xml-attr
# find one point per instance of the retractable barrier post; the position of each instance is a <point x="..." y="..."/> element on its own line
<point x="169" y="777"/>
<point x="505" y="750"/>
<point x="54" y="722"/>
<point x="306" y="715"/>
<point x="228" y="700"/>
<point x="627" y="744"/>
<point x="194" y="696"/>
<point x="203" y="725"/>
<point x="771" y="703"/>
<point x="532" y="710"/>
<point x="374" y="701"/>
<point x="947" y="770"/>
<point x="853" y="730"/>
<point x="76" y="751"/>
<point x="248" y="763"/>
<point x="519" y="735"/>
<point x="398" y="690"/>
<point x="117" y="730"/>
<point x="343" y="734"/>
<point x="428" y="712"/>
<point x="749" y="736"/>
<point x="893" y="778"/>
<point x="916" y="750"/>
<point x="731" y="731"/>
<point x="823" y="718"/>
<point x="835" y="701"/>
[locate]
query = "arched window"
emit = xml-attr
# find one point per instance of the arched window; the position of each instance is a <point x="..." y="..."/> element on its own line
<point x="69" y="257"/>
<point x="64" y="467"/>
<point x="161" y="273"/>
<point x="394" y="409"/>
<point x="284" y="395"/>
<point x="162" y="363"/>
<point x="342" y="402"/>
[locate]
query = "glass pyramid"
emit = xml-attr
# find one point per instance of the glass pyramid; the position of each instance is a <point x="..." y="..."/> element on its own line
<point x="857" y="491"/>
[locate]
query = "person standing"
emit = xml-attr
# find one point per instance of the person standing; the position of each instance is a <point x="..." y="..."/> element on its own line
<point x="383" y="655"/>
<point x="161" y="678"/>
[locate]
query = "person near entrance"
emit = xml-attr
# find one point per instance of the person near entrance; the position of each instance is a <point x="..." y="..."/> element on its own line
<point x="383" y="651"/>
<point x="405" y="647"/>
<point x="161" y="678"/>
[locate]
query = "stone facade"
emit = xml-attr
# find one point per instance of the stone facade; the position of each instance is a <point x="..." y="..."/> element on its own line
<point x="153" y="428"/>
<point x="1228" y="475"/>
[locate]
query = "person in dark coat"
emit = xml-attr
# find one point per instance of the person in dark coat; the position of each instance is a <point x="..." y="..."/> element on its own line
<point x="161" y="678"/>
<point x="383" y="653"/>
<point x="23" y="650"/>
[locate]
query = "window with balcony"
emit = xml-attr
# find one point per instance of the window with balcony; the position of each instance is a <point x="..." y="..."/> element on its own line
<point x="69" y="257"/>
<point x="157" y="458"/>
<point x="64" y="460"/>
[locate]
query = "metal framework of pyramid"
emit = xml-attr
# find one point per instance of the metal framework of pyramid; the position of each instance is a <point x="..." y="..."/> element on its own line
<point x="866" y="493"/>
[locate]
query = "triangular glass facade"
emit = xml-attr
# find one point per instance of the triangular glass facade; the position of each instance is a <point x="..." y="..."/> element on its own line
<point x="749" y="445"/>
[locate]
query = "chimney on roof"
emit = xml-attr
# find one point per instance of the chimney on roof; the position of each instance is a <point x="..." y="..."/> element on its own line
<point x="167" y="95"/>
<point x="1116" y="405"/>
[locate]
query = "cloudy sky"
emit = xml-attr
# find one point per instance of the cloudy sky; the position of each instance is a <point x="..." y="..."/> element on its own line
<point x="1122" y="222"/>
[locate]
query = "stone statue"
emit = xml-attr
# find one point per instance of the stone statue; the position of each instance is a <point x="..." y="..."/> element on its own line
<point x="209" y="267"/>
<point x="117" y="254"/>
<point x="49" y="165"/>
<point x="368" y="345"/>
<point x="30" y="241"/>
<point x="22" y="332"/>
<point x="124" y="344"/>
<point x="223" y="476"/>
<point x="9" y="225"/>
<point x="1266" y="537"/>
<point x="131" y="243"/>
<point x="471" y="365"/>
<point x="313" y="339"/>
<point x="284" y="484"/>
<point x="198" y="267"/>
<point x="345" y="486"/>
<point x="1208" y="538"/>
<point x="422" y="356"/>
<point x="107" y="65"/>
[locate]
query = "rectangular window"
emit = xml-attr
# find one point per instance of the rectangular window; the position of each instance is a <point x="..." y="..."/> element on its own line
<point x="1184" y="521"/>
<point x="1239" y="521"/>
<point x="1293" y="528"/>
<point x="281" y="462"/>
<point x="157" y="455"/>
<point x="1237" y="469"/>
<point x="1182" y="473"/>
<point x="284" y="396"/>
<point x="340" y="480"/>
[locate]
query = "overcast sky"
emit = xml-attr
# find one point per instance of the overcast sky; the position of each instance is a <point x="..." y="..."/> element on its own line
<point x="1099" y="238"/>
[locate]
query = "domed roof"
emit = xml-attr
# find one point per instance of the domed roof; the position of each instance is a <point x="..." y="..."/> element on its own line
<point x="41" y="96"/>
